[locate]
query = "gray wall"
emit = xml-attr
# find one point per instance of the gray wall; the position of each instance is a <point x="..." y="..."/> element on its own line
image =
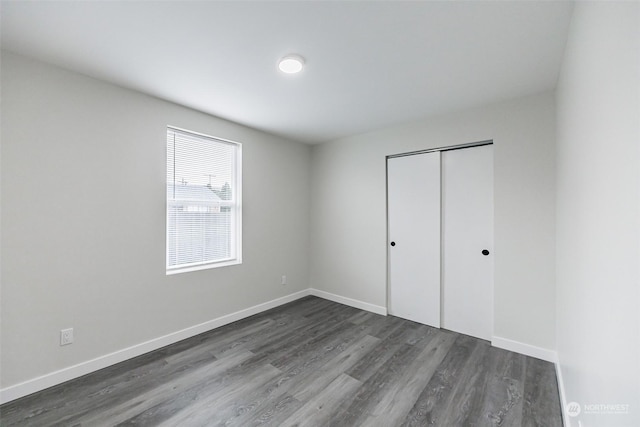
<point x="83" y="220"/>
<point x="348" y="210"/>
<point x="598" y="216"/>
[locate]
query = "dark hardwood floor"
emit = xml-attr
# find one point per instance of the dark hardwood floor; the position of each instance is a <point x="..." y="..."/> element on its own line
<point x="311" y="362"/>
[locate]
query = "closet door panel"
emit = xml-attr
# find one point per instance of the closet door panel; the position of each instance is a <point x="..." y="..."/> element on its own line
<point x="467" y="232"/>
<point x="413" y="191"/>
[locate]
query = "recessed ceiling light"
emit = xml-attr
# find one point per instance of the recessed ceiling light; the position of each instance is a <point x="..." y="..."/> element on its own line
<point x="291" y="64"/>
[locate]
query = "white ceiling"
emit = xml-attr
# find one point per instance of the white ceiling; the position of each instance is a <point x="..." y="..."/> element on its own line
<point x="369" y="64"/>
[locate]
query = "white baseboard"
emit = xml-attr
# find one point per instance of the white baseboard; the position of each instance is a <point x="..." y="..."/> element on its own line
<point x="48" y="380"/>
<point x="563" y="397"/>
<point x="526" y="349"/>
<point x="538" y="353"/>
<point x="349" y="301"/>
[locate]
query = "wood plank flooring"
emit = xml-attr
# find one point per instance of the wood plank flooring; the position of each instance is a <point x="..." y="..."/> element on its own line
<point x="308" y="363"/>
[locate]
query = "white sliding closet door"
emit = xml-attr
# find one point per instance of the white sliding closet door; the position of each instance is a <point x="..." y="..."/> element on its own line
<point x="467" y="231"/>
<point x="414" y="237"/>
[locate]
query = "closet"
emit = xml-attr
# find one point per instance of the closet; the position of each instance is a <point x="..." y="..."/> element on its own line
<point x="440" y="230"/>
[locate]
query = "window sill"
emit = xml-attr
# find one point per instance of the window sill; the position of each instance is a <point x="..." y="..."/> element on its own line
<point x="208" y="266"/>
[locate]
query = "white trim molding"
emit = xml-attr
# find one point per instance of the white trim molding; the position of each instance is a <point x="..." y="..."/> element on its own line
<point x="349" y="301"/>
<point x="539" y="353"/>
<point x="58" y="377"/>
<point x="563" y="397"/>
<point x="526" y="349"/>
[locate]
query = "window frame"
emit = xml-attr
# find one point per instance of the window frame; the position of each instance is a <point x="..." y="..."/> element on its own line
<point x="236" y="240"/>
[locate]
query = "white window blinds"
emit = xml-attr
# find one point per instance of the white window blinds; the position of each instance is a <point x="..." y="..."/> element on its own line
<point x="203" y="201"/>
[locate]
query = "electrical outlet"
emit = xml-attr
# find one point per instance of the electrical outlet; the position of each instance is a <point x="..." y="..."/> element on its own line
<point x="284" y="280"/>
<point x="66" y="336"/>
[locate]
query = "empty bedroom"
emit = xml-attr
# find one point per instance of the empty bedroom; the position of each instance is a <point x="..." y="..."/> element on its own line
<point x="320" y="213"/>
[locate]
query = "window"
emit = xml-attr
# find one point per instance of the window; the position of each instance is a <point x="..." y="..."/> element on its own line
<point x="204" y="217"/>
